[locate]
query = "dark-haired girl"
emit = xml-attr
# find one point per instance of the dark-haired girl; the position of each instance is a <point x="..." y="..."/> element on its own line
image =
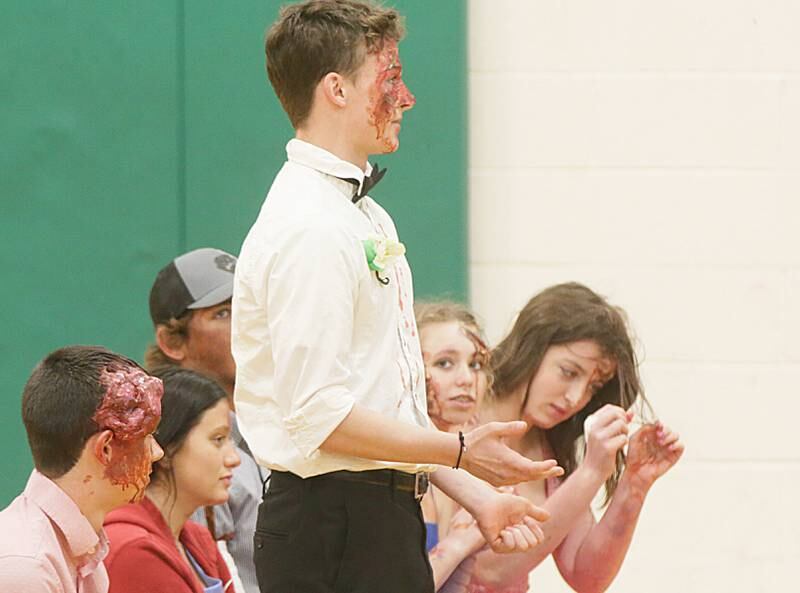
<point x="153" y="546"/>
<point x="569" y="358"/>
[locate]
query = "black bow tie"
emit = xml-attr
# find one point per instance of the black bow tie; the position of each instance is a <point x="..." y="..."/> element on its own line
<point x="369" y="182"/>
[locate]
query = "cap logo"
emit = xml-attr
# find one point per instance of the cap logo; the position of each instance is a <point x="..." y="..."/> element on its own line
<point x="225" y="262"/>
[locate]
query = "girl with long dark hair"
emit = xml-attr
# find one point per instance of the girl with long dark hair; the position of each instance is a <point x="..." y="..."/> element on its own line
<point x="568" y="368"/>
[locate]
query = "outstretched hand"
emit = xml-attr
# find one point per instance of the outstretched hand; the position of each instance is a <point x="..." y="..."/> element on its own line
<point x="652" y="451"/>
<point x="510" y="523"/>
<point x="489" y="458"/>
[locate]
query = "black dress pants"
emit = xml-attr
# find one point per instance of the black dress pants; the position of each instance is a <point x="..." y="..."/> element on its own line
<point x="326" y="535"/>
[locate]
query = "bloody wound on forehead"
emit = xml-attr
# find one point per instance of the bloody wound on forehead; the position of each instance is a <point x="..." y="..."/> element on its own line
<point x="131" y="407"/>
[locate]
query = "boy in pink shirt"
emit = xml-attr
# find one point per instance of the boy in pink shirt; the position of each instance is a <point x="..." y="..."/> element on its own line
<point x="89" y="415"/>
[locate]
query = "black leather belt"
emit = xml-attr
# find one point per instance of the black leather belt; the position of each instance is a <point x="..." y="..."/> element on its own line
<point x="397" y="480"/>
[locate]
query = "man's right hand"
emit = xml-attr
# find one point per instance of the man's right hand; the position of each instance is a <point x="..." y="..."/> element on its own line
<point x="489" y="458"/>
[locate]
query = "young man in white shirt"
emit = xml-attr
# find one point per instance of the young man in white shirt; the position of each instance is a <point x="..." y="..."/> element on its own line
<point x="330" y="384"/>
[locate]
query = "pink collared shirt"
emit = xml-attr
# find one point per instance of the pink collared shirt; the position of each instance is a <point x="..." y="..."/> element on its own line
<point x="48" y="546"/>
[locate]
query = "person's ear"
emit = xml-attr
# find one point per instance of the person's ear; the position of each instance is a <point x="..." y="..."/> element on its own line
<point x="333" y="89"/>
<point x="164" y="462"/>
<point x="171" y="343"/>
<point x="101" y="447"/>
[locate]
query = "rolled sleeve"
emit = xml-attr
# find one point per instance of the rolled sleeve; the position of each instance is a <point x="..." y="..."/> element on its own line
<point x="312" y="424"/>
<point x="313" y="288"/>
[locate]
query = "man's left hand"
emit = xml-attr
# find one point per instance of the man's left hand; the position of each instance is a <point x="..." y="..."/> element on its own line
<point x="509" y="523"/>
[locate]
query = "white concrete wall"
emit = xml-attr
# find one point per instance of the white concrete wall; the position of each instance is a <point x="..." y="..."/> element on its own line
<point x="652" y="151"/>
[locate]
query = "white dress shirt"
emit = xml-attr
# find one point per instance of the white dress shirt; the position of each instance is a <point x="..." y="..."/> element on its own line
<point x="313" y="330"/>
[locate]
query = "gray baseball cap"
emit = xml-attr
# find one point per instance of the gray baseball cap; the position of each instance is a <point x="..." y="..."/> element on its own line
<point x="195" y="280"/>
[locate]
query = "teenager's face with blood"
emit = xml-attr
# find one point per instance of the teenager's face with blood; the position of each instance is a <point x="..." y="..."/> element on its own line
<point x="130" y="410"/>
<point x="565" y="382"/>
<point x="454" y="373"/>
<point x="384" y="96"/>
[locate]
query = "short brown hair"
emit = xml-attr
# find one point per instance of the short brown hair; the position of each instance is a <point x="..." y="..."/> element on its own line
<point x="313" y="38"/>
<point x="559" y="315"/>
<point x="59" y="403"/>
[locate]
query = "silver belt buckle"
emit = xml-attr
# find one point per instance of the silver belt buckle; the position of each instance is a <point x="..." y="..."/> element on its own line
<point x="421" y="482"/>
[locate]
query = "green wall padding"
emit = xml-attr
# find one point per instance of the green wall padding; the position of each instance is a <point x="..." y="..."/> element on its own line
<point x="134" y="131"/>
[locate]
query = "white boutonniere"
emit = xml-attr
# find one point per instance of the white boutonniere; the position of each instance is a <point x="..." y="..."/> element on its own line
<point x="381" y="252"/>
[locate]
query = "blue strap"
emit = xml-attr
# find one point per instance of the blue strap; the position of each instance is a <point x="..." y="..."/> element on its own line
<point x="211" y="584"/>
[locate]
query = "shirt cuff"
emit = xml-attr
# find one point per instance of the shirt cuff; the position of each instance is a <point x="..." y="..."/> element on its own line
<point x="312" y="424"/>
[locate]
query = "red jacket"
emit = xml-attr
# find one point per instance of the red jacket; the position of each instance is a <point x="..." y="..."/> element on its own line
<point x="143" y="557"/>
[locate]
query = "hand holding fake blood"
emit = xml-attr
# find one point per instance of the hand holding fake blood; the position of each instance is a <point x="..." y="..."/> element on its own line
<point x="131" y="410"/>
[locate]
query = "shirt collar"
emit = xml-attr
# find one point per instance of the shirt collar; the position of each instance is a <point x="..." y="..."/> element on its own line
<point x="85" y="545"/>
<point x="319" y="159"/>
<point x="89" y="561"/>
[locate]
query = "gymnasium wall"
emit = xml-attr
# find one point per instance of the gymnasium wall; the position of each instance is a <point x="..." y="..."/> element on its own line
<point x="651" y="150"/>
<point x="132" y="132"/>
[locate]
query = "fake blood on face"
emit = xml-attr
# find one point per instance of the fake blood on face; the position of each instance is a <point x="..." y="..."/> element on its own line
<point x="131" y="409"/>
<point x="390" y="96"/>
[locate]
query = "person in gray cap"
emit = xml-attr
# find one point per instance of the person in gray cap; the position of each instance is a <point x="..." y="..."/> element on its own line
<point x="190" y="305"/>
